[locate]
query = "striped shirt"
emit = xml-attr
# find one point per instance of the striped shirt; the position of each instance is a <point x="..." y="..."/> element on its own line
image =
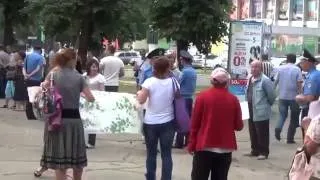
<point x="267" y="69"/>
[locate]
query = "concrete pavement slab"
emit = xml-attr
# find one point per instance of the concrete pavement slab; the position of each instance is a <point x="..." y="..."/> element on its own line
<point x="122" y="157"/>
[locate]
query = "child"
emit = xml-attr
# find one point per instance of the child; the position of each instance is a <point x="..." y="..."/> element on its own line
<point x="9" y="92"/>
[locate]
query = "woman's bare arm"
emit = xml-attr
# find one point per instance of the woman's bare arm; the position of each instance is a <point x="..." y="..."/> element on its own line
<point x="142" y="95"/>
<point x="88" y="95"/>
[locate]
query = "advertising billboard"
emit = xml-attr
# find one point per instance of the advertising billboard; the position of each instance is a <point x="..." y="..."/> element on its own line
<point x="245" y="45"/>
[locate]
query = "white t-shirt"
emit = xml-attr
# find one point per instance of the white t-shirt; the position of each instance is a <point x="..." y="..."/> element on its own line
<point x="111" y="66"/>
<point x="94" y="82"/>
<point x="160" y="106"/>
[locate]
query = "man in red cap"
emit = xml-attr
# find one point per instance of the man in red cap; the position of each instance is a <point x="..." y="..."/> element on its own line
<point x="215" y="118"/>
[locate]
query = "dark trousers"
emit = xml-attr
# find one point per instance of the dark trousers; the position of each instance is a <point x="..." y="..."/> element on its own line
<point x="259" y="137"/>
<point x="153" y="134"/>
<point x="182" y="138"/>
<point x="111" y="88"/>
<point x="205" y="162"/>
<point x="92" y="139"/>
<point x="294" y="121"/>
<point x="314" y="178"/>
<point x="304" y="113"/>
<point x="3" y="83"/>
<point x="29" y="109"/>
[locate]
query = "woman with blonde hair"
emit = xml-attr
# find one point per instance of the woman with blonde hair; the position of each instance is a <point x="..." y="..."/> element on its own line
<point x="66" y="149"/>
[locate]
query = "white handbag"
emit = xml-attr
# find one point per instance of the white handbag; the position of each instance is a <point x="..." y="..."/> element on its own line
<point x="300" y="168"/>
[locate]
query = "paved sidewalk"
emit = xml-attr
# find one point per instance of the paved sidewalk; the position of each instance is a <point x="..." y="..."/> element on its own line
<point x="122" y="157"/>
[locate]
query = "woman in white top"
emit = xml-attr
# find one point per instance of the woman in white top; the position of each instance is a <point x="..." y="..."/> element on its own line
<point x="158" y="120"/>
<point x="95" y="82"/>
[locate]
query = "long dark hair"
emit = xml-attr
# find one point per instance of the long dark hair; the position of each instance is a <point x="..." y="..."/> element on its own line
<point x="89" y="64"/>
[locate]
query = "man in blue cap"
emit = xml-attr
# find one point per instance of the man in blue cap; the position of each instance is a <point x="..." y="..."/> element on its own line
<point x="311" y="87"/>
<point x="187" y="82"/>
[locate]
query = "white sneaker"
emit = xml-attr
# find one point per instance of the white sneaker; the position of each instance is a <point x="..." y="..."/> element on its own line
<point x="262" y="157"/>
<point x="89" y="146"/>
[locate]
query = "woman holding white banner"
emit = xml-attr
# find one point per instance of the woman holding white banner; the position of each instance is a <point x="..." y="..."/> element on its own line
<point x="95" y="82"/>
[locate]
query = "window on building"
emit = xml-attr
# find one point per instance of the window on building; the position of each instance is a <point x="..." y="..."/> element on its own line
<point x="244" y="9"/>
<point x="283" y="10"/>
<point x="234" y="14"/>
<point x="318" y="45"/>
<point x="256" y="9"/>
<point x="297" y="10"/>
<point x="312" y="10"/>
<point x="270" y="6"/>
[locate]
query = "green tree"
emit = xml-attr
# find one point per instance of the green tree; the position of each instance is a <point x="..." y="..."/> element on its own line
<point x="11" y="17"/>
<point x="200" y="22"/>
<point x="89" y="20"/>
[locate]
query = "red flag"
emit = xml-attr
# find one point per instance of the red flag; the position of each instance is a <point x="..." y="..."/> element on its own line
<point x="116" y="44"/>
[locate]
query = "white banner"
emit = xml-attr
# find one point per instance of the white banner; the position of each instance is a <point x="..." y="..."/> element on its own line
<point x="110" y="113"/>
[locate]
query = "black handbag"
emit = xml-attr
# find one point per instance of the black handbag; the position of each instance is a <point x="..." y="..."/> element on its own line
<point x="136" y="73"/>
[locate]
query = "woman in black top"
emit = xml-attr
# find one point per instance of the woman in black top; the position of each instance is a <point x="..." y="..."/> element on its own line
<point x="20" y="93"/>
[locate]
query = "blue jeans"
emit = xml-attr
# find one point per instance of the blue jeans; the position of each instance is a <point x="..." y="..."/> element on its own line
<point x="154" y="133"/>
<point x="294" y="122"/>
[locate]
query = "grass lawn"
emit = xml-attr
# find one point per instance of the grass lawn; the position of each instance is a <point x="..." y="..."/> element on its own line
<point x="128" y="84"/>
<point x="203" y="71"/>
<point x="199" y="71"/>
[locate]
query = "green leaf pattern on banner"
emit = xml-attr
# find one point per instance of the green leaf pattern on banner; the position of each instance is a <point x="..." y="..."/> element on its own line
<point x="110" y="113"/>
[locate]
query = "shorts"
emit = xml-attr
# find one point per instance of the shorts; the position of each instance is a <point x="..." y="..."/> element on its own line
<point x="9" y="89"/>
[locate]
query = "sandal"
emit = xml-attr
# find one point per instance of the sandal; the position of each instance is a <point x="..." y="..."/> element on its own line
<point x="69" y="177"/>
<point x="39" y="171"/>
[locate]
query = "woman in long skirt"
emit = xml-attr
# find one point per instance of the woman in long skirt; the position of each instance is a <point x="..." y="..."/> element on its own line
<point x="65" y="148"/>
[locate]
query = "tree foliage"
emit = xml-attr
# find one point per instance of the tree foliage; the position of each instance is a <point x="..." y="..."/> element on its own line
<point x="11" y="17"/>
<point x="90" y="20"/>
<point x="200" y="22"/>
<point x="121" y="18"/>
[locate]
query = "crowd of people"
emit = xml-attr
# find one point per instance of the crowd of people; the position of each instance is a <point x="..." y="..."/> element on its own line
<point x="215" y="114"/>
<point x="297" y="93"/>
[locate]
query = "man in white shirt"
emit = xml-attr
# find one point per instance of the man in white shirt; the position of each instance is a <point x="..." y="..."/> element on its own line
<point x="112" y="68"/>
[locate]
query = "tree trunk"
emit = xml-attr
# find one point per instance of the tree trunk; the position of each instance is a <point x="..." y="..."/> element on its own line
<point x="181" y="45"/>
<point x="85" y="38"/>
<point x="8" y="38"/>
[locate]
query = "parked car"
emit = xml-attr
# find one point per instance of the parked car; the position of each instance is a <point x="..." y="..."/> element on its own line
<point x="128" y="56"/>
<point x="210" y="61"/>
<point x="198" y="61"/>
<point x="213" y="61"/>
<point x="277" y="61"/>
<point x="135" y="57"/>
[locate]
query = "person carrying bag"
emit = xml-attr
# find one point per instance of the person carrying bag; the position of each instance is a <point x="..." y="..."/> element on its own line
<point x="306" y="161"/>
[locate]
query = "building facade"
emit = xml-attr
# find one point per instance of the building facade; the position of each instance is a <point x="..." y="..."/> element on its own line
<point x="295" y="23"/>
